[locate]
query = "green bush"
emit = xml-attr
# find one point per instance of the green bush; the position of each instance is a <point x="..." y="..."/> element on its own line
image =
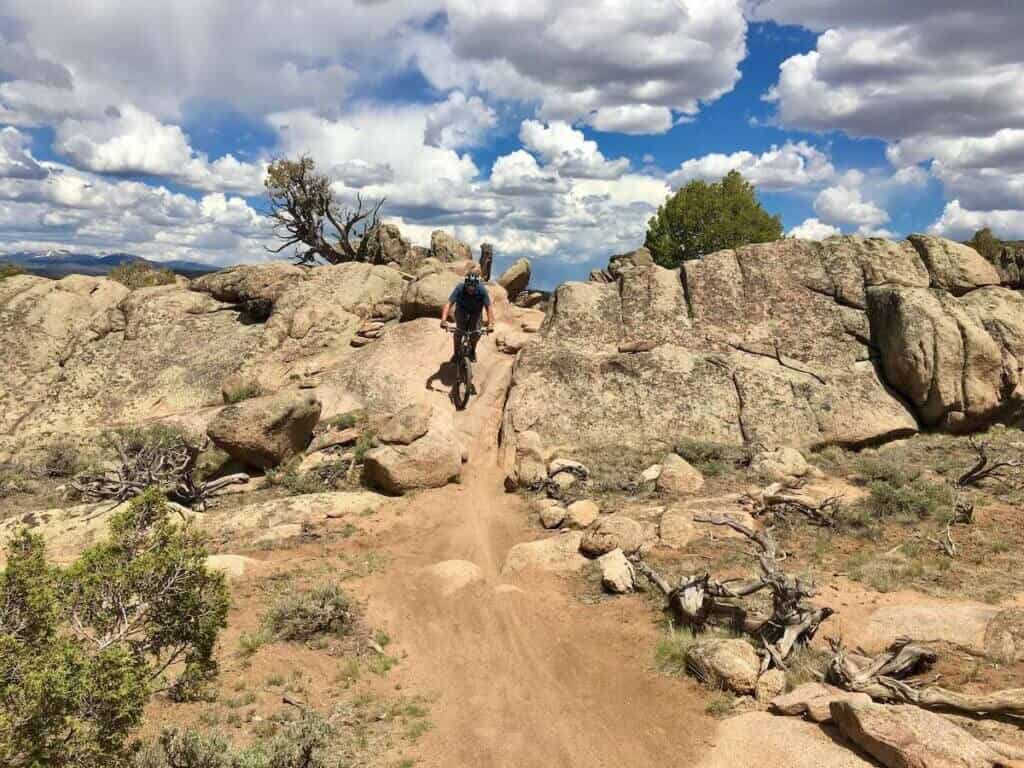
<point x="140" y="274"/>
<point x="329" y="476"/>
<point x="14" y="480"/>
<point x="326" y="609"/>
<point x="670" y="653"/>
<point x="713" y="458"/>
<point x="987" y="244"/>
<point x="242" y="392"/>
<point x="702" y="218"/>
<point x="887" y="468"/>
<point x="10" y="270"/>
<point x="918" y="499"/>
<point x="347" y="420"/>
<point x="61" y="460"/>
<point x="83" y="649"/>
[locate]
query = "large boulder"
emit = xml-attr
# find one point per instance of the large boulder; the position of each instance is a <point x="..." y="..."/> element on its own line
<point x="251" y="282"/>
<point x="427" y="295"/>
<point x="780" y="464"/>
<point x="312" y="318"/>
<point x="88" y="354"/>
<point x="407" y="426"/>
<point x="581" y="514"/>
<point x="631" y="365"/>
<point x="516" y="278"/>
<point x="41" y="323"/>
<point x="266" y="431"/>
<point x="432" y="461"/>
<point x="623" y="261"/>
<point x="758" y="739"/>
<point x="954" y="267"/>
<point x="957" y="360"/>
<point x="617" y="573"/>
<point x="910" y="737"/>
<point x="531" y="470"/>
<point x="387" y="245"/>
<point x="446" y="248"/>
<point x="613" y="532"/>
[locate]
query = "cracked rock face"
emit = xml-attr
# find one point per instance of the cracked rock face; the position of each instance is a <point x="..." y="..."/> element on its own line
<point x="110" y="357"/>
<point x="768" y="343"/>
<point x="88" y="354"/>
<point x="792" y="343"/>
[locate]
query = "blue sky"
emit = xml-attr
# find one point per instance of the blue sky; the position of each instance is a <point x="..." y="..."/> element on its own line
<point x="550" y="128"/>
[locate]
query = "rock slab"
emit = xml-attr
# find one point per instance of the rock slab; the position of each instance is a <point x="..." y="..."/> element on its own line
<point x="266" y="431"/>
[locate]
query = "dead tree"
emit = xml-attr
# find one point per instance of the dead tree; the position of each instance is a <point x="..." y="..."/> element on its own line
<point x="700" y="601"/>
<point x="152" y="458"/>
<point x="1005" y="471"/>
<point x="305" y="213"/>
<point x="779" y="500"/>
<point x="882" y="678"/>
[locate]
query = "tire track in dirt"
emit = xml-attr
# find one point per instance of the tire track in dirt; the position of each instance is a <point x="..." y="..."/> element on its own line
<point x="524" y="674"/>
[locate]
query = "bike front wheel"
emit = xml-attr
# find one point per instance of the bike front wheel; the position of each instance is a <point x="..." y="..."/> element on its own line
<point x="463" y="382"/>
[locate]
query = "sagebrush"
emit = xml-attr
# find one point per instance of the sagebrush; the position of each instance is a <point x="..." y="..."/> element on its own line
<point x="82" y="649"/>
<point x="140" y="274"/>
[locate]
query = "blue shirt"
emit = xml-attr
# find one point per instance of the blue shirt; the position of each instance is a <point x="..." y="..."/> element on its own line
<point x="470" y="303"/>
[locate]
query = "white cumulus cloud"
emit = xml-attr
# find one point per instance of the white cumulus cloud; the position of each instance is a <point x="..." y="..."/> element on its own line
<point x="792" y="165"/>
<point x="960" y="223"/>
<point x="16" y="160"/>
<point x="813" y="229"/>
<point x="459" y="122"/>
<point x="619" y="64"/>
<point x="846" y="205"/>
<point x="566" y="148"/>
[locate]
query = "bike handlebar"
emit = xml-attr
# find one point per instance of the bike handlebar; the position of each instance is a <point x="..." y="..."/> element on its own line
<point x="481" y="332"/>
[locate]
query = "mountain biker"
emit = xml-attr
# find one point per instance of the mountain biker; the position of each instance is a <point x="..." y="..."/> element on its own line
<point x="470" y="300"/>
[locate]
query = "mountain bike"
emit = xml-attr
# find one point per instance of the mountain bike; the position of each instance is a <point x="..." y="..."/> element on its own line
<point x="463" y="386"/>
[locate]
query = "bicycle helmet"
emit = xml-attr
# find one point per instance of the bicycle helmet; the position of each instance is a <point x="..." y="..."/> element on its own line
<point x="472" y="280"/>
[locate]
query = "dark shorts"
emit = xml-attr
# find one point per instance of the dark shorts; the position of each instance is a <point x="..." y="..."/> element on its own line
<point x="466" y="321"/>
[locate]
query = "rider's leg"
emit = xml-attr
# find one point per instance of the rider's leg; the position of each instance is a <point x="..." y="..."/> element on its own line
<point x="461" y="324"/>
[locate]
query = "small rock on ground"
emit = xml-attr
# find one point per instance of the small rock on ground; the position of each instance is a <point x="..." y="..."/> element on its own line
<point x="559" y="553"/>
<point x="581" y="514"/>
<point x="617" y="574"/>
<point x="678" y="477"/>
<point x="732" y="664"/>
<point x="455" y="575"/>
<point x="813" y="701"/>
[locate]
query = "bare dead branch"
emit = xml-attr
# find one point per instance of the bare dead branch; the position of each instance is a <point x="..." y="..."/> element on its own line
<point x="882" y="678"/>
<point x="781" y="500"/>
<point x="699" y="600"/>
<point x="1005" y="471"/>
<point x="166" y="462"/>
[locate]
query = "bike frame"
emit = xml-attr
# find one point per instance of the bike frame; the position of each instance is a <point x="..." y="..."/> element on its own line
<point x="464" y="365"/>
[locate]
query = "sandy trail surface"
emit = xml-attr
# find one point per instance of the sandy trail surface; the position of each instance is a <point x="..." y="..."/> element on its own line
<point x="521" y="672"/>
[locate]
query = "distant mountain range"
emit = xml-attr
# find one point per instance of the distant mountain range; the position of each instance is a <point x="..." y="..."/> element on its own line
<point x="60" y="263"/>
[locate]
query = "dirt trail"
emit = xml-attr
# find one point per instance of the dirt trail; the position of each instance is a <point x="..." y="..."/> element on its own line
<point x="523" y="673"/>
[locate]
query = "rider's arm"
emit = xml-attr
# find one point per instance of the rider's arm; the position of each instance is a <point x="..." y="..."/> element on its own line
<point x="488" y="306"/>
<point x="445" y="311"/>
